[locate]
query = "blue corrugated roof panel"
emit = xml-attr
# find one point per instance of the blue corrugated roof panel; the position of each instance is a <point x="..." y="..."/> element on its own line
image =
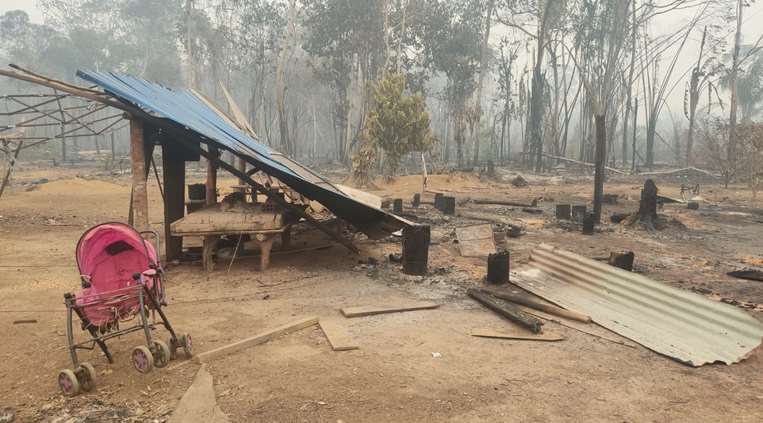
<point x="189" y="113"/>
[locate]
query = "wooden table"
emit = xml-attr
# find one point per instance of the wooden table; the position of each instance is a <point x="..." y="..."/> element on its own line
<point x="259" y="220"/>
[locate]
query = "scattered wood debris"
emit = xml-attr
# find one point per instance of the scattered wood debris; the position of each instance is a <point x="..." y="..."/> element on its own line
<point x="198" y="403"/>
<point x="491" y="333"/>
<point x="476" y="240"/>
<point x="507" y="310"/>
<point x="361" y="311"/>
<point x="337" y="335"/>
<point x="256" y="339"/>
<point x="517" y="298"/>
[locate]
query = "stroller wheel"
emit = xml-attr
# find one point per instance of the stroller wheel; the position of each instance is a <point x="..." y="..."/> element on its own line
<point x="187" y="343"/>
<point x="68" y="383"/>
<point x="162" y="351"/>
<point x="88" y="384"/>
<point x="142" y="359"/>
<point x="174" y="345"/>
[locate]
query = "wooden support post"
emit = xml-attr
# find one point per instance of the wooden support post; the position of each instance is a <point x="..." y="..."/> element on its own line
<point x="416" y="249"/>
<point x="498" y="268"/>
<point x="266" y="245"/>
<point x="210" y="242"/>
<point x="173" y="169"/>
<point x="139" y="191"/>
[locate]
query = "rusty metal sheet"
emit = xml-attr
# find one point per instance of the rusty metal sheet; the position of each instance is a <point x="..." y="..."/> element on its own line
<point x="680" y="324"/>
<point x="476" y="241"/>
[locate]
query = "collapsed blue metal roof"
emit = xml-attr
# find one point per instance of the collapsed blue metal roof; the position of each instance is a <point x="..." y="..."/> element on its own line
<point x="185" y="111"/>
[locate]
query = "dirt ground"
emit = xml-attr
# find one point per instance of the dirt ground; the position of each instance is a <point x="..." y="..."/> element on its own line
<point x="414" y="366"/>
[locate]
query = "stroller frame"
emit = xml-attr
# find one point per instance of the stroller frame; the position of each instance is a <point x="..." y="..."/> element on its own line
<point x="149" y="303"/>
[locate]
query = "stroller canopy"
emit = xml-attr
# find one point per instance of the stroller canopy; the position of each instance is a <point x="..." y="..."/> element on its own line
<point x="110" y="253"/>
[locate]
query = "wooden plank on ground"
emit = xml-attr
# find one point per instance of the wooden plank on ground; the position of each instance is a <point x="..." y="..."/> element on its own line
<point x="476" y="240"/>
<point x="257" y="339"/>
<point x="337" y="335"/>
<point x="490" y="333"/>
<point x="361" y="311"/>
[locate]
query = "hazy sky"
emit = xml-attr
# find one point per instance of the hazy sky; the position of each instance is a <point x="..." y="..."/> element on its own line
<point x="752" y="29"/>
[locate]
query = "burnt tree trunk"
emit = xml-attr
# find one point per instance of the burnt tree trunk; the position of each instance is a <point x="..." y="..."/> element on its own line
<point x="647" y="210"/>
<point x="507" y="310"/>
<point x="601" y="158"/>
<point x="416" y="249"/>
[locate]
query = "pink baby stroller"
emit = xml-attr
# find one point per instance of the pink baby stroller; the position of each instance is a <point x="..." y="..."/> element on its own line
<point x="122" y="284"/>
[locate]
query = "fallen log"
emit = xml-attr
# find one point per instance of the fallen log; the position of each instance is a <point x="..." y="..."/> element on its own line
<point x="685" y="169"/>
<point x="503" y="203"/>
<point x="491" y="219"/>
<point x="508" y="311"/>
<point x="749" y="274"/>
<point x="577" y="162"/>
<point x="537" y="305"/>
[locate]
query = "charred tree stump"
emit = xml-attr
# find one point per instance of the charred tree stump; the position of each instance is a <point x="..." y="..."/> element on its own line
<point x="563" y="211"/>
<point x="588" y="223"/>
<point x="438" y="197"/>
<point x="647" y="210"/>
<point x="578" y="213"/>
<point x="490" y="168"/>
<point x="507" y="310"/>
<point x="498" y="268"/>
<point x="692" y="205"/>
<point x="622" y="259"/>
<point x="397" y="206"/>
<point x="416" y="200"/>
<point x="416" y="249"/>
<point x="449" y="205"/>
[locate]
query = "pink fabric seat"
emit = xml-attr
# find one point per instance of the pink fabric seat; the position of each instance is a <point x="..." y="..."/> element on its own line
<point x="109" y="255"/>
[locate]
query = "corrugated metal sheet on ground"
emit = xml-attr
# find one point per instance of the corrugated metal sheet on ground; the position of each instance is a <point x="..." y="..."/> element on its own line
<point x="190" y="113"/>
<point x="677" y="323"/>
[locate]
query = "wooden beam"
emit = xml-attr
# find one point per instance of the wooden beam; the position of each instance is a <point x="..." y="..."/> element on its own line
<point x="537" y="305"/>
<point x="139" y="172"/>
<point x="361" y="311"/>
<point x="67" y="88"/>
<point x="210" y="241"/>
<point x="173" y="169"/>
<point x="337" y="335"/>
<point x="508" y="311"/>
<point x="490" y="333"/>
<point x="258" y="339"/>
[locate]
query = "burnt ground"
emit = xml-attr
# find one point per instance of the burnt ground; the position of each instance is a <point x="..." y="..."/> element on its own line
<point x="394" y="376"/>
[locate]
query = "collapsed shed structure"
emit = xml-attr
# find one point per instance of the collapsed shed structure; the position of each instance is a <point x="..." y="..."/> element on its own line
<point x="187" y="127"/>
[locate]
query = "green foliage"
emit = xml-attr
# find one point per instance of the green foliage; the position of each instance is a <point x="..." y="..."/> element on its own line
<point x="398" y="122"/>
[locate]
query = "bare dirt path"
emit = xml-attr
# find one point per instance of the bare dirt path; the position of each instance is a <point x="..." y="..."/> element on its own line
<point x="394" y="376"/>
